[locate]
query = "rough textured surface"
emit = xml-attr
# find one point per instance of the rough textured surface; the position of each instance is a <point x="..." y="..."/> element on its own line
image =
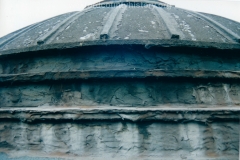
<point x="121" y="83"/>
<point x="105" y="58"/>
<point x="120" y="74"/>
<point x="205" y="78"/>
<point x="80" y="96"/>
<point x="125" y="140"/>
<point x="120" y="93"/>
<point x="6" y="157"/>
<point x="181" y="114"/>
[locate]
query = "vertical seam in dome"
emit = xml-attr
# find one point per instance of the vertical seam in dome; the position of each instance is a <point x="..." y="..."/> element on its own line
<point x="26" y="29"/>
<point x="60" y="27"/>
<point x="108" y="25"/>
<point x="217" y="26"/>
<point x="170" y="23"/>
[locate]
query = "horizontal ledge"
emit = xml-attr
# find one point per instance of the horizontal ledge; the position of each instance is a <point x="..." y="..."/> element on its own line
<point x="120" y="114"/>
<point x="148" y="43"/>
<point x="101" y="74"/>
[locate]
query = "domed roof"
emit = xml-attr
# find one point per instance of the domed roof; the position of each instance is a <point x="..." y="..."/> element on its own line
<point x="143" y="22"/>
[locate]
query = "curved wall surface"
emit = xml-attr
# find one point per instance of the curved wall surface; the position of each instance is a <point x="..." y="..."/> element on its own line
<point x="153" y="83"/>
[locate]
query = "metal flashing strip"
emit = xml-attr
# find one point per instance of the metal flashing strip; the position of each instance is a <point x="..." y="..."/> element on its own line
<point x="108" y="25"/>
<point x="170" y="23"/>
<point x="149" y="43"/>
<point x="217" y="26"/>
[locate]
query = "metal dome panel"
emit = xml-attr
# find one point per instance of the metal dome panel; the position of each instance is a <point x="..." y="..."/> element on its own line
<point x="125" y="24"/>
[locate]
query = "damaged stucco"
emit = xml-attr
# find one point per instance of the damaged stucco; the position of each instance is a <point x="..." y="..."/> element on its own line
<point x="125" y="140"/>
<point x="154" y="82"/>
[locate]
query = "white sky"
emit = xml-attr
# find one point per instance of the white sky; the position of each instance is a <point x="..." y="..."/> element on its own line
<point x="15" y="14"/>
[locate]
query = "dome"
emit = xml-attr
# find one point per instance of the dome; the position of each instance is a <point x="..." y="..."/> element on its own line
<point x="146" y="22"/>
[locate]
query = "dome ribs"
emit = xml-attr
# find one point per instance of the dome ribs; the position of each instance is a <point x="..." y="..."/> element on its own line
<point x="170" y="23"/>
<point x="110" y="21"/>
<point x="163" y="27"/>
<point x="60" y="27"/>
<point x="23" y="31"/>
<point x="44" y="38"/>
<point x="217" y="26"/>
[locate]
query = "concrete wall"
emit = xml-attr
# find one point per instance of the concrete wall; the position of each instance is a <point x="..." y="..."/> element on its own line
<point x="122" y="140"/>
<point x="108" y="87"/>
